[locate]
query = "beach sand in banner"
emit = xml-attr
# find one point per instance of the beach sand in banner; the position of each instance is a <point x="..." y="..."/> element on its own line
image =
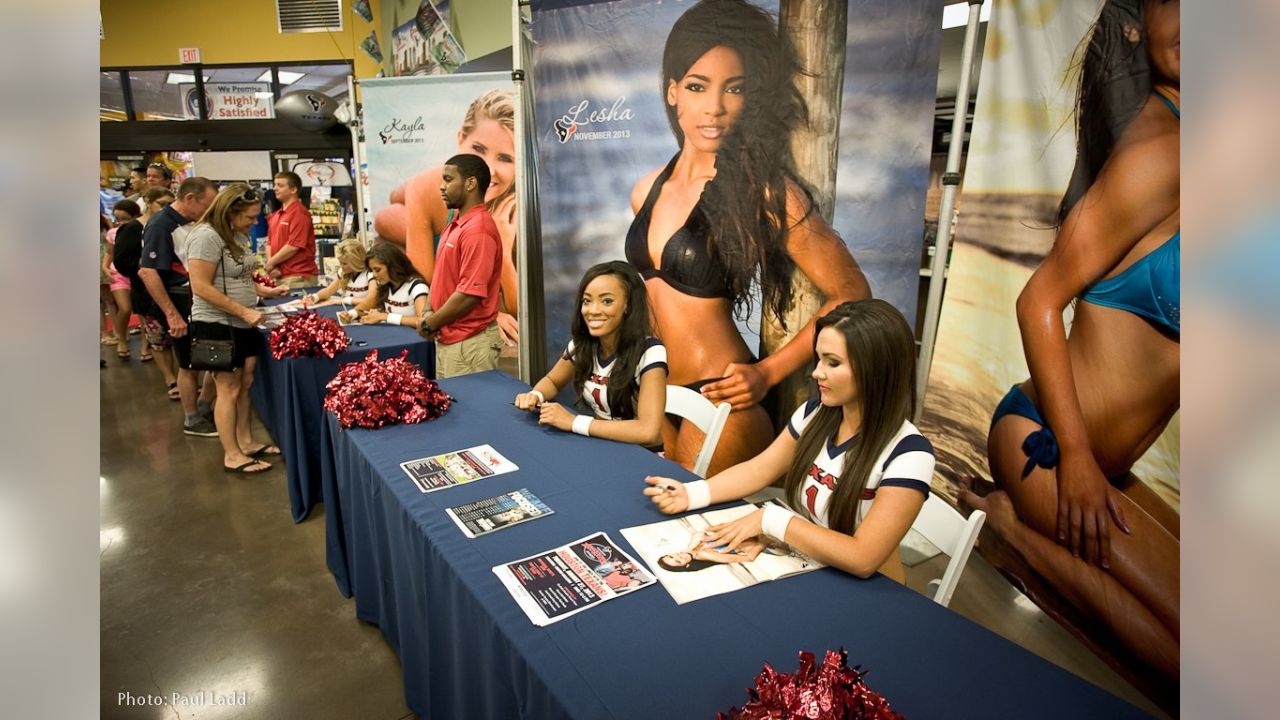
<point x="977" y="358"/>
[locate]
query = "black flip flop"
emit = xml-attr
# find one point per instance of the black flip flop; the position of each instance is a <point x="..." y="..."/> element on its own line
<point x="242" y="471"/>
<point x="265" y="450"/>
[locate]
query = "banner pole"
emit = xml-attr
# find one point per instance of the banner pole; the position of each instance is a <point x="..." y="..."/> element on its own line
<point x="354" y="125"/>
<point x="950" y="188"/>
<point x="531" y="350"/>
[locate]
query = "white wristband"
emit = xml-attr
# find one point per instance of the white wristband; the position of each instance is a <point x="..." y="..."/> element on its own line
<point x="538" y="394"/>
<point x="393" y="318"/>
<point x="582" y="425"/>
<point x="775" y="520"/>
<point x="699" y="494"/>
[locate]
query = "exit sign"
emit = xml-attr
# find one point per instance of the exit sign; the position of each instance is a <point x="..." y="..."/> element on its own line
<point x="188" y="56"/>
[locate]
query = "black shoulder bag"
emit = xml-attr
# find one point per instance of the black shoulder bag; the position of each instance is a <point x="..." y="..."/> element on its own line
<point x="217" y="355"/>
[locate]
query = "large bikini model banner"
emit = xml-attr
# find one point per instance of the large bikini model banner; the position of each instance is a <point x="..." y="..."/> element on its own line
<point x="607" y="124"/>
<point x="1116" y="362"/>
<point x="412" y="125"/>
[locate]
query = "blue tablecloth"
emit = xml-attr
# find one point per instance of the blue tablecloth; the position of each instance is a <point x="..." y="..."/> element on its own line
<point x="288" y="395"/>
<point x="468" y="651"/>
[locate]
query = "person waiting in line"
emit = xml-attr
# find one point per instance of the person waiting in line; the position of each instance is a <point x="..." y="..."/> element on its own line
<point x="125" y="211"/>
<point x="106" y="304"/>
<point x="137" y="185"/>
<point x="158" y="175"/>
<point x="398" y="297"/>
<point x="126" y="254"/>
<point x="354" y="282"/>
<point x="164" y="276"/>
<point x="221" y="270"/>
<point x="856" y="471"/>
<point x="617" y="369"/>
<point x="466" y="280"/>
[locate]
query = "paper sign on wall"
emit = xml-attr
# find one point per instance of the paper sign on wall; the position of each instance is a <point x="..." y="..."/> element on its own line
<point x="230" y="101"/>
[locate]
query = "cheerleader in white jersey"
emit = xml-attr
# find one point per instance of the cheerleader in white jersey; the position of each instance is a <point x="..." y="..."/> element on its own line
<point x="354" y="280"/>
<point x="856" y="470"/>
<point x="618" y="371"/>
<point x="400" y="296"/>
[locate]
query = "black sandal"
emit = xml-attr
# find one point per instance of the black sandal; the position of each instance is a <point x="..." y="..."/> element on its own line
<point x="242" y="468"/>
<point x="172" y="391"/>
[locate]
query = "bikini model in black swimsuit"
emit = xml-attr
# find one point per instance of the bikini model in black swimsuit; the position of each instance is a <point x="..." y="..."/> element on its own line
<point x="688" y="262"/>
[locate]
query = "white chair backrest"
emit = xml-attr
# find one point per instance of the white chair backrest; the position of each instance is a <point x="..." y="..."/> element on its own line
<point x="710" y="419"/>
<point x="951" y="533"/>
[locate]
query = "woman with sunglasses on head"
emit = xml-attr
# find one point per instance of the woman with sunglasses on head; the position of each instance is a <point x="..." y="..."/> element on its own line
<point x="221" y="270"/>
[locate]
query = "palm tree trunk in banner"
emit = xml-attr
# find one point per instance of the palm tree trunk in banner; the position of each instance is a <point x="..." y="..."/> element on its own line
<point x="817" y="30"/>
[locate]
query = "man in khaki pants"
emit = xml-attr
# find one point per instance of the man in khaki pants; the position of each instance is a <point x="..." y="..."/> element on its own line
<point x="465" y="280"/>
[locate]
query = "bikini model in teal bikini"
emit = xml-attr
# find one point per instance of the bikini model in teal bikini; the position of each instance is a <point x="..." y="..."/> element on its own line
<point x="1149" y="288"/>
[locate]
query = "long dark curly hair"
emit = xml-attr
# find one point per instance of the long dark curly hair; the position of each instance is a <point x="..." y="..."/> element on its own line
<point x="632" y="334"/>
<point x="746" y="202"/>
<point x="1115" y="81"/>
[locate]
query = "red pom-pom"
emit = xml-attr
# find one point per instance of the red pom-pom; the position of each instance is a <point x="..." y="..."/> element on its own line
<point x="263" y="279"/>
<point x="370" y="394"/>
<point x="307" y="334"/>
<point x="830" y="691"/>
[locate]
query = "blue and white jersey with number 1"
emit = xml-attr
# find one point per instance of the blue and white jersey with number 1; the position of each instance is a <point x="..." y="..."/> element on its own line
<point x="595" y="391"/>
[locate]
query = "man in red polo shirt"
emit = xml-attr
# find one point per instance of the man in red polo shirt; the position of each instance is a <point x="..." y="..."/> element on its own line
<point x="466" y="279"/>
<point x="291" y="238"/>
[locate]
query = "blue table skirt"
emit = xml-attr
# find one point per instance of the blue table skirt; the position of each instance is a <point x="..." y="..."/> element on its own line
<point x="289" y="395"/>
<point x="467" y="650"/>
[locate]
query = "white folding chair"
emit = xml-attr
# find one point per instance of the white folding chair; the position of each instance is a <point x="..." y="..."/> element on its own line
<point x="954" y="535"/>
<point x="709" y="418"/>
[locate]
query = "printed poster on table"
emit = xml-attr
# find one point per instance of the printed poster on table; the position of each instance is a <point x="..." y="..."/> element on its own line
<point x="498" y="512"/>
<point x="553" y="585"/>
<point x="438" y="472"/>
<point x="690" y="569"/>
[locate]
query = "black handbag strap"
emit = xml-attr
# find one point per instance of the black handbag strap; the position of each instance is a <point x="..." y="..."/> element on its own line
<point x="231" y="331"/>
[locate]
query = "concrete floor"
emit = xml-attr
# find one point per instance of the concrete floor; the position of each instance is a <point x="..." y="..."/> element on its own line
<point x="207" y="585"/>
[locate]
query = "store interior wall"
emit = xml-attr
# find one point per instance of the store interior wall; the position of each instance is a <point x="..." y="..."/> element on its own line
<point x="143" y="33"/>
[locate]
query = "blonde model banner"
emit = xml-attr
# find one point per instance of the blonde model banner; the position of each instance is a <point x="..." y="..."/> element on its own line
<point x="1116" y="466"/>
<point x="412" y="125"/>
